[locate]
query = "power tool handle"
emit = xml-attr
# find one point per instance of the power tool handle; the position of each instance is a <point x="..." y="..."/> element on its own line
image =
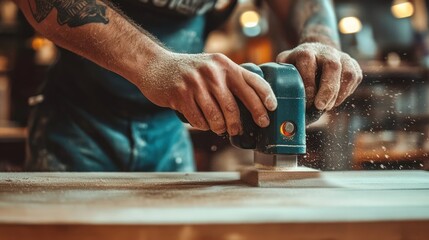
<point x="247" y="140"/>
<point x="313" y="114"/>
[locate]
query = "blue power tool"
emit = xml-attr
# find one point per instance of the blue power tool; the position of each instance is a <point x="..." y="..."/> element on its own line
<point x="279" y="144"/>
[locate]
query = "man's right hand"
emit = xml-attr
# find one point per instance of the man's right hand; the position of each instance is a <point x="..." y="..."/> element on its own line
<point x="202" y="87"/>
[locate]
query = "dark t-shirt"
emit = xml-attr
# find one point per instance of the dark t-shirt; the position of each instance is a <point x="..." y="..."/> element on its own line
<point x="178" y="24"/>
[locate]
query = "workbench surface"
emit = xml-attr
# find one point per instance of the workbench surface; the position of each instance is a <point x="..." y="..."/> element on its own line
<point x="340" y="205"/>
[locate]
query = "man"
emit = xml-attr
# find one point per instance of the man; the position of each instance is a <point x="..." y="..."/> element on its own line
<point x="107" y="101"/>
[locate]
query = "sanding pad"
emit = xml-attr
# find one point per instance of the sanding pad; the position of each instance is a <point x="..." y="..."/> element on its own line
<point x="277" y="177"/>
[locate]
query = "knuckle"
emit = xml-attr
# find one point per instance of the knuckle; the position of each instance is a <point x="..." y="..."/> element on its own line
<point x="215" y="120"/>
<point x="231" y="107"/>
<point x="332" y="64"/>
<point x="219" y="57"/>
<point x="214" y="115"/>
<point x="282" y="56"/>
<point x="208" y="73"/>
<point x="349" y="75"/>
<point x="330" y="89"/>
<point x="190" y="75"/>
<point x="206" y="68"/>
<point x="183" y="92"/>
<point x="304" y="56"/>
<point x="217" y="85"/>
<point x="192" y="78"/>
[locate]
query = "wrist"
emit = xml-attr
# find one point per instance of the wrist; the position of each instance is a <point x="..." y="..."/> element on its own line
<point x="320" y="34"/>
<point x="141" y="60"/>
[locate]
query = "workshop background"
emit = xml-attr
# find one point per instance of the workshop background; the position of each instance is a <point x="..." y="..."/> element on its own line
<point x="383" y="125"/>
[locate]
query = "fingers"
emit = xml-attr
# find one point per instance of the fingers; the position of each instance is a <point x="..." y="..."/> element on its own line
<point x="340" y="74"/>
<point x="218" y="103"/>
<point x="253" y="91"/>
<point x="305" y="62"/>
<point x="329" y="82"/>
<point x="230" y="111"/>
<point x="182" y="100"/>
<point x="351" y="76"/>
<point x="204" y="91"/>
<point x="221" y="111"/>
<point x="194" y="116"/>
<point x="359" y="75"/>
<point x="262" y="89"/>
<point x="212" y="112"/>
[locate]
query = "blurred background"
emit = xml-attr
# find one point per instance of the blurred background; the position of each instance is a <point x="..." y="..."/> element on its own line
<point x="383" y="125"/>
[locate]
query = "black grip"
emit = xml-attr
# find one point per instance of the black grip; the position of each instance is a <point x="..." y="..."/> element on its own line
<point x="313" y="114"/>
<point x="247" y="140"/>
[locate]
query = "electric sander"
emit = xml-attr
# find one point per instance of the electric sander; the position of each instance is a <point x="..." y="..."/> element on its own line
<point x="277" y="147"/>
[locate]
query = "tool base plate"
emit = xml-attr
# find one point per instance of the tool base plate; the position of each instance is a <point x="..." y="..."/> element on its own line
<point x="278" y="177"/>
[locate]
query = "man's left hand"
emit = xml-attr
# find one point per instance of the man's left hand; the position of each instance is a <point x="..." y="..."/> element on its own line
<point x="339" y="73"/>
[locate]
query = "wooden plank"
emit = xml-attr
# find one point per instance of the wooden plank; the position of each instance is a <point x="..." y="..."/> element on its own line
<point x="394" y="202"/>
<point x="412" y="230"/>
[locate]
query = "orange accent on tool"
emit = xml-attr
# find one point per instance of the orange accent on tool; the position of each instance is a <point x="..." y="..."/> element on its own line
<point x="287" y="129"/>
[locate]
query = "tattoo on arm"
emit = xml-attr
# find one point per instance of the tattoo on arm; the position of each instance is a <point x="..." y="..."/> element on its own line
<point x="74" y="13"/>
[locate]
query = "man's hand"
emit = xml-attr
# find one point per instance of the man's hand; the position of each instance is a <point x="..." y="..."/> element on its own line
<point x="202" y="87"/>
<point x="339" y="73"/>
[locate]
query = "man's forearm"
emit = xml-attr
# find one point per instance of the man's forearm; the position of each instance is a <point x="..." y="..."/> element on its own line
<point x="317" y="23"/>
<point x="308" y="21"/>
<point x="93" y="30"/>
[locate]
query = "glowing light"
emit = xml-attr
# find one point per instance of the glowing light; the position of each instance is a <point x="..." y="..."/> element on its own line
<point x="349" y="25"/>
<point x="37" y="43"/>
<point x="402" y="9"/>
<point x="249" y="19"/>
<point x="45" y="50"/>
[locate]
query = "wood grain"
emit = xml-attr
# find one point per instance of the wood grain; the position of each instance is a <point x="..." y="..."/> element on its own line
<point x="339" y="205"/>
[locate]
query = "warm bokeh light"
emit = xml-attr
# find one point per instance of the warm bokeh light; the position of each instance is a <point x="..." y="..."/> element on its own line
<point x="402" y="9"/>
<point x="46" y="51"/>
<point x="39" y="42"/>
<point x="249" y="19"/>
<point x="349" y="25"/>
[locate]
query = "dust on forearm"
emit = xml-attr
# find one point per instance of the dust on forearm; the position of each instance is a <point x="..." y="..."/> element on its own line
<point x="313" y="21"/>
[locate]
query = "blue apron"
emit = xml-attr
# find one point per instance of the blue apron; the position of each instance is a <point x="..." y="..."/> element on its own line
<point x="92" y="119"/>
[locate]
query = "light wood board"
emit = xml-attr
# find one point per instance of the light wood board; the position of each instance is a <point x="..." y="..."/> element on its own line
<point x="340" y="205"/>
<point x="272" y="177"/>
